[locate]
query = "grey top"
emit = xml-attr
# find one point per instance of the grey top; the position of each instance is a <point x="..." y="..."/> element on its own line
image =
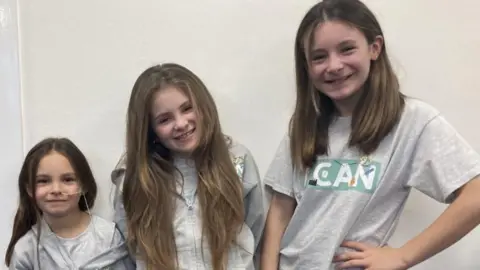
<point x="100" y="246"/>
<point x="187" y="221"/>
<point x="347" y="196"/>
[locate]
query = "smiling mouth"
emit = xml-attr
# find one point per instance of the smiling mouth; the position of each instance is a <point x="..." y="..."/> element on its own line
<point x="339" y="80"/>
<point x="185" y="135"/>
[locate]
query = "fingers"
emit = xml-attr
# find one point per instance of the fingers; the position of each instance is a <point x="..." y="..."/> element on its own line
<point x="355" y="245"/>
<point x="348" y="256"/>
<point x="351" y="264"/>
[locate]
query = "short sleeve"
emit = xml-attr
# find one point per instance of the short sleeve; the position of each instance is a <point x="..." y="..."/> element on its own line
<point x="280" y="173"/>
<point x="442" y="161"/>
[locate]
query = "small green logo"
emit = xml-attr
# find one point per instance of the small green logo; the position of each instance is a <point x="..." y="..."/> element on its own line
<point x="343" y="174"/>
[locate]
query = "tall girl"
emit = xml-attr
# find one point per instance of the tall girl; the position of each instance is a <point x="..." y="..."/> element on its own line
<point x="355" y="148"/>
<point x="191" y="196"/>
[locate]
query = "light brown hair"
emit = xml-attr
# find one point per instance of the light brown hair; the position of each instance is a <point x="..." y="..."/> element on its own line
<point x="149" y="190"/>
<point x="380" y="105"/>
<point x="28" y="213"/>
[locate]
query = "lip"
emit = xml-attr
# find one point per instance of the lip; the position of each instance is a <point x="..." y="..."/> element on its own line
<point x="189" y="133"/>
<point x="338" y="79"/>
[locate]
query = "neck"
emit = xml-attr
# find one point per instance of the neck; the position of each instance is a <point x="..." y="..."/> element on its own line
<point x="345" y="107"/>
<point x="70" y="225"/>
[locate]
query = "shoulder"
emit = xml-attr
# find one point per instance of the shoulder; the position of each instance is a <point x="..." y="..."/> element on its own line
<point x="243" y="161"/>
<point x="241" y="155"/>
<point x="118" y="171"/>
<point x="25" y="246"/>
<point x="418" y="111"/>
<point x="29" y="238"/>
<point x="102" y="224"/>
<point x="237" y="149"/>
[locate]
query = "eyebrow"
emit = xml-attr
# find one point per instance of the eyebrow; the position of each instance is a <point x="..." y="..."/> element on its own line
<point x="42" y="175"/>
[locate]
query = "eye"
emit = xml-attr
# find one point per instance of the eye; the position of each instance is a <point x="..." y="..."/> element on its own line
<point x="162" y="120"/>
<point x="187" y="108"/>
<point x="347" y="49"/>
<point x="69" y="179"/>
<point x="42" y="181"/>
<point x="319" y="57"/>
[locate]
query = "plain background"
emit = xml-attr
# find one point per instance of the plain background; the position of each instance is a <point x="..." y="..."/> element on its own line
<point x="67" y="69"/>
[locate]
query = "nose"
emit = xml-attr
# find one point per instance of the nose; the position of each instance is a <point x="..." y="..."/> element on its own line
<point x="335" y="64"/>
<point x="181" y="123"/>
<point x="55" y="189"/>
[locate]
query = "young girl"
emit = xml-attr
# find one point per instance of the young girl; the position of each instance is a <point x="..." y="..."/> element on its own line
<point x="355" y="148"/>
<point x="192" y="197"/>
<point x="53" y="227"/>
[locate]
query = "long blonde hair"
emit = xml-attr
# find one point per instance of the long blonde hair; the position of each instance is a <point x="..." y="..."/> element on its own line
<point x="379" y="108"/>
<point x="149" y="190"/>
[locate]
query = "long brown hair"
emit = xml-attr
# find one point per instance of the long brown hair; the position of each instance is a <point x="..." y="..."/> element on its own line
<point x="28" y="214"/>
<point x="149" y="190"/>
<point x="379" y="107"/>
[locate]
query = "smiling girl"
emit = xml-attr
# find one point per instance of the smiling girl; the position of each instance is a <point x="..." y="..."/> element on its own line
<point x="355" y="148"/>
<point x="191" y="196"/>
<point x="53" y="226"/>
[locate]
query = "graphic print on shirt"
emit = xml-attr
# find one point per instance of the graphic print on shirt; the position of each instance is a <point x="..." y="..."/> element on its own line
<point x="239" y="164"/>
<point x="344" y="174"/>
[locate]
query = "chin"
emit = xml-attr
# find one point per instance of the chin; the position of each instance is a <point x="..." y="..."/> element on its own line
<point x="56" y="213"/>
<point x="342" y="94"/>
<point x="187" y="147"/>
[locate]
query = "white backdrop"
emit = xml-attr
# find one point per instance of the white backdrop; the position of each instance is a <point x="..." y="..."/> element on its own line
<point x="81" y="58"/>
<point x="10" y="120"/>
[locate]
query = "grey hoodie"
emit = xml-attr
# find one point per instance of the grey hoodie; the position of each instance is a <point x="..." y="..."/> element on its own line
<point x="100" y="246"/>
<point x="187" y="221"/>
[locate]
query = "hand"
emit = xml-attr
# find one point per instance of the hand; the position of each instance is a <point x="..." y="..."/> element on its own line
<point x="370" y="258"/>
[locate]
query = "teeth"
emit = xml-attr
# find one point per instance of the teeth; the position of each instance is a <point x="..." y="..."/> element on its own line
<point x="185" y="134"/>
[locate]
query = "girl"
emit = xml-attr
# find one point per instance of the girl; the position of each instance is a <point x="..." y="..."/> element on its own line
<point x="355" y="148"/>
<point x="192" y="197"/>
<point x="53" y="227"/>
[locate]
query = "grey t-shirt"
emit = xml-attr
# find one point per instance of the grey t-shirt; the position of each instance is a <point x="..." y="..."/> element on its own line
<point x="100" y="246"/>
<point x="346" y="196"/>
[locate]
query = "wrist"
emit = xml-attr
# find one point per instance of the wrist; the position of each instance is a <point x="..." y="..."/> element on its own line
<point x="407" y="256"/>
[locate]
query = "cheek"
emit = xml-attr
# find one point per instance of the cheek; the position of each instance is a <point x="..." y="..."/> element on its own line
<point x="73" y="188"/>
<point x="192" y="117"/>
<point x="316" y="70"/>
<point x="360" y="62"/>
<point x="41" y="193"/>
<point x="163" y="131"/>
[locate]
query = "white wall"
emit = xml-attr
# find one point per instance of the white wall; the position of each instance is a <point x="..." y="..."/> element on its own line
<point x="10" y="120"/>
<point x="80" y="59"/>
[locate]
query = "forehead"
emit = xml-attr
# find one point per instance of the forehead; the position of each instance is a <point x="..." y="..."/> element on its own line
<point x="168" y="99"/>
<point x="332" y="33"/>
<point x="54" y="163"/>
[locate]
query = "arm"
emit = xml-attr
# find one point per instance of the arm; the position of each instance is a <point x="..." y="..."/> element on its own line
<point x="117" y="177"/>
<point x="119" y="241"/>
<point x="279" y="215"/>
<point x="253" y="201"/>
<point x="21" y="261"/>
<point x="446" y="168"/>
<point x="457" y="220"/>
<point x="443" y="167"/>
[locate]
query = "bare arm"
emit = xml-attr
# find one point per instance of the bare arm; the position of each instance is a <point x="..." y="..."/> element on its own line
<point x="279" y="215"/>
<point x="462" y="216"/>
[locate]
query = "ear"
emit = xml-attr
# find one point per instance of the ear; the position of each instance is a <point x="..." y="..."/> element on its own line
<point x="29" y="191"/>
<point x="376" y="48"/>
<point x="81" y="191"/>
